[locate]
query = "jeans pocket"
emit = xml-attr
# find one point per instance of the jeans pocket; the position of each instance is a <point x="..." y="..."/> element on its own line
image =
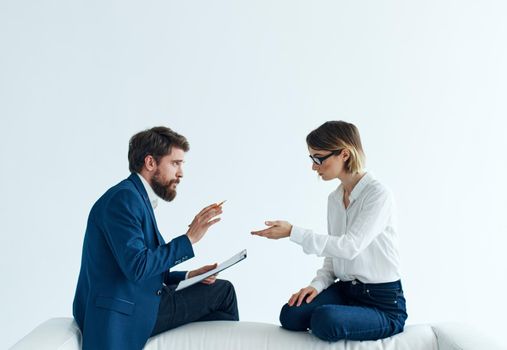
<point x="384" y="297"/>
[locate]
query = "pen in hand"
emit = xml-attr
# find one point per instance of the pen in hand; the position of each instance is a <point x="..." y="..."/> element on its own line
<point x="214" y="206"/>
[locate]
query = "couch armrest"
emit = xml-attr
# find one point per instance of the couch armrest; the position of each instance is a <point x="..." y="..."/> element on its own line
<point x="457" y="336"/>
<point x="56" y="333"/>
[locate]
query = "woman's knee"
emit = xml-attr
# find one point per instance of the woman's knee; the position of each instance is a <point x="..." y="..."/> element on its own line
<point x="292" y="319"/>
<point x="324" y="325"/>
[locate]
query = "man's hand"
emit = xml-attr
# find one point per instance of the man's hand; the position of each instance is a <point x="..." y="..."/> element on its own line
<point x="211" y="279"/>
<point x="297" y="298"/>
<point x="278" y="229"/>
<point x="202" y="222"/>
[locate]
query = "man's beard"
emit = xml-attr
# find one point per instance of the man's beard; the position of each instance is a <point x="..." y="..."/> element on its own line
<point x="163" y="189"/>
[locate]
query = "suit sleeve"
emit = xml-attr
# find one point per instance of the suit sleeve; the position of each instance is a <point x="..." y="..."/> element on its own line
<point x="174" y="277"/>
<point x="122" y="225"/>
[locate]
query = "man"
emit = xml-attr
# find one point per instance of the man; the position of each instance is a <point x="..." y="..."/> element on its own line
<point x="125" y="292"/>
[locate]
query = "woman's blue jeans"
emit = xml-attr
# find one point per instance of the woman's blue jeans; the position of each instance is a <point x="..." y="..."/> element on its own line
<point x="350" y="310"/>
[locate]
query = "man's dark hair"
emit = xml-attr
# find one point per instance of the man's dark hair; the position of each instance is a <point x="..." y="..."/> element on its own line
<point x="157" y="142"/>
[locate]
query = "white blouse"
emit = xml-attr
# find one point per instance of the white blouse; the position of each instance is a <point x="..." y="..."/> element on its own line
<point x="362" y="241"/>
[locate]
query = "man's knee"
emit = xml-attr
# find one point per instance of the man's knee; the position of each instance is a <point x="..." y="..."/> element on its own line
<point x="226" y="284"/>
<point x="226" y="287"/>
<point x="324" y="324"/>
<point x="228" y="297"/>
<point x="291" y="318"/>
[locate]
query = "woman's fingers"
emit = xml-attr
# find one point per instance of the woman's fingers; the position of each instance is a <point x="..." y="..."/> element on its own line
<point x="297" y="298"/>
<point x="312" y="295"/>
<point x="263" y="233"/>
<point x="293" y="298"/>
<point x="277" y="229"/>
<point x="302" y="296"/>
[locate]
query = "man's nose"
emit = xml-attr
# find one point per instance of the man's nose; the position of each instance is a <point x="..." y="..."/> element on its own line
<point x="314" y="166"/>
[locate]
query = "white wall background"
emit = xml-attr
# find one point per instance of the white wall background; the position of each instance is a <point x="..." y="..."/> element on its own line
<point x="245" y="81"/>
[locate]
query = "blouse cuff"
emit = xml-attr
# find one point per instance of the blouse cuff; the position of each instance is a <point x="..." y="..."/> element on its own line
<point x="297" y="234"/>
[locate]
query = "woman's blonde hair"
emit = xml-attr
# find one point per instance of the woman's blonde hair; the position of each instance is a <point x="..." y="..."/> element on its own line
<point x="339" y="135"/>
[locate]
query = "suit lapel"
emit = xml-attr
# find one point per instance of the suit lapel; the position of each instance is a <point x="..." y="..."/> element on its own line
<point x="140" y="187"/>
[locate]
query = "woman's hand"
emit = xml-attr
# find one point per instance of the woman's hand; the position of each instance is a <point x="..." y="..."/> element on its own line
<point x="211" y="279"/>
<point x="297" y="298"/>
<point x="277" y="229"/>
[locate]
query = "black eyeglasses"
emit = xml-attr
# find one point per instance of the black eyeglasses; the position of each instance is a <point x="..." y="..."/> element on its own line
<point x="320" y="160"/>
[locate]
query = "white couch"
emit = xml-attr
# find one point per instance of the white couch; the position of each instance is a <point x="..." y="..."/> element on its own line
<point x="63" y="334"/>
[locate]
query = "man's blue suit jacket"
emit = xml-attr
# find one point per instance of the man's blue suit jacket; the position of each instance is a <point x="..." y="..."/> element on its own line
<point x="125" y="261"/>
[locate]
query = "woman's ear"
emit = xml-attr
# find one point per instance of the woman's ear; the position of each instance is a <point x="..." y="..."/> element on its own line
<point x="345" y="154"/>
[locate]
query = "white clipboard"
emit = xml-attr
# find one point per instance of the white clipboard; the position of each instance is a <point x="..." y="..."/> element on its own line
<point x="226" y="264"/>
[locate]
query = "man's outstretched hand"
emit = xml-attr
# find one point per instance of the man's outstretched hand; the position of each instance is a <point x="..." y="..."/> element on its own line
<point x="203" y="221"/>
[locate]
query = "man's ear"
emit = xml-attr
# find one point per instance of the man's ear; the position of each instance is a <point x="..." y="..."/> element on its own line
<point x="150" y="163"/>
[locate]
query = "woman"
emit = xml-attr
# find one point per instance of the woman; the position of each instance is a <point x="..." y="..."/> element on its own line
<point x="360" y="249"/>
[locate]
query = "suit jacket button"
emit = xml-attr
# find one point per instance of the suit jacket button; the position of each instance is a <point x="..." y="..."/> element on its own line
<point x="159" y="292"/>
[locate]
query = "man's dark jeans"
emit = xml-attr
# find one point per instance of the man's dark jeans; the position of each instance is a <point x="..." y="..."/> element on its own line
<point x="200" y="302"/>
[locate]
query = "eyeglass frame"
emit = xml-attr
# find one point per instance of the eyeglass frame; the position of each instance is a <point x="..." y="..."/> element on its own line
<point x="320" y="160"/>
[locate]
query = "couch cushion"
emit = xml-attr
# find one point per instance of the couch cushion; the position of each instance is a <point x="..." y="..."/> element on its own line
<point x="63" y="334"/>
<point x="54" y="334"/>
<point x="226" y="335"/>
